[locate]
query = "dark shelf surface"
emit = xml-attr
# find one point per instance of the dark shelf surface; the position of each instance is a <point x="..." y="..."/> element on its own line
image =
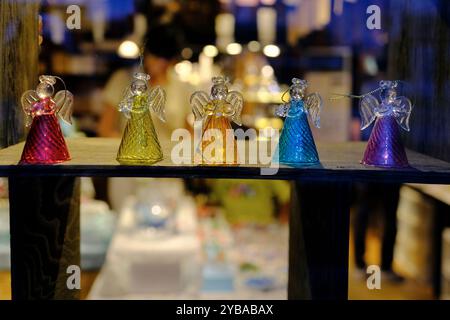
<point x="339" y="161"/>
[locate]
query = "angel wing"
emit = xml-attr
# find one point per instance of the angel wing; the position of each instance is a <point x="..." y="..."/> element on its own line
<point x="236" y="100"/>
<point x="282" y="110"/>
<point x="126" y="104"/>
<point x="64" y="102"/>
<point x="402" y="111"/>
<point x="28" y="99"/>
<point x="157" y="99"/>
<point x="199" y="101"/>
<point x="313" y="104"/>
<point x="367" y="108"/>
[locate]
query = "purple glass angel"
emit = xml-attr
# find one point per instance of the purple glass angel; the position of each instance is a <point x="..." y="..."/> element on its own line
<point x="385" y="147"/>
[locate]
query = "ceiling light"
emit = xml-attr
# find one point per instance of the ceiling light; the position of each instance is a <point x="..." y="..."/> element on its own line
<point x="272" y="51"/>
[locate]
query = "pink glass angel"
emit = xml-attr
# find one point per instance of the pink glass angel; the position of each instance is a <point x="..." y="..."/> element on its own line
<point x="45" y="142"/>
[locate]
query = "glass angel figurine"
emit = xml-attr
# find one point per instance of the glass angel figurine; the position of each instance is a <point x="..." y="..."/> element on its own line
<point x="45" y="142"/>
<point x="385" y="147"/>
<point x="140" y="144"/>
<point x="296" y="146"/>
<point x="215" y="113"/>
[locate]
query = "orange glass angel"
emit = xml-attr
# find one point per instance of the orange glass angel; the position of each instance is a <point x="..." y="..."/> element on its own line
<point x="215" y="113"/>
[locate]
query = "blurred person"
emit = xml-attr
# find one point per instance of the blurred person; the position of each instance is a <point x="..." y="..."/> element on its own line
<point x="159" y="12"/>
<point x="373" y="196"/>
<point x="160" y="55"/>
<point x="197" y="18"/>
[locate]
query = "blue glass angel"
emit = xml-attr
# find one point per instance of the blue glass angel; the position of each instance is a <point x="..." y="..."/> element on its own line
<point x="296" y="146"/>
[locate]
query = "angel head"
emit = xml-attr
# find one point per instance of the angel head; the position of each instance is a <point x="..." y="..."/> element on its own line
<point x="219" y="89"/>
<point x="32" y="100"/>
<point x="45" y="87"/>
<point x="311" y="104"/>
<point x="139" y="84"/>
<point x="297" y="90"/>
<point x="388" y="91"/>
<point x="139" y="94"/>
<point x="391" y="104"/>
<point x="220" y="101"/>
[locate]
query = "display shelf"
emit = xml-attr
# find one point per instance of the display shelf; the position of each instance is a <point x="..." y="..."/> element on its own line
<point x="339" y="161"/>
<point x="319" y="230"/>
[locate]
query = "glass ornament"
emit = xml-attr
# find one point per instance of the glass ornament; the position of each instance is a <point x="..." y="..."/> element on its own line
<point x="385" y="147"/>
<point x="296" y="146"/>
<point x="215" y="113"/>
<point x="140" y="144"/>
<point x="45" y="142"/>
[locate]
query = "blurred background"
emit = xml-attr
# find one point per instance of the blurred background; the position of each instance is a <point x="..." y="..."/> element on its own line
<point x="207" y="239"/>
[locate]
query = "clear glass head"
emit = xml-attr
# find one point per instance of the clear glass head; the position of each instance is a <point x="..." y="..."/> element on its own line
<point x="139" y="84"/>
<point x="219" y="89"/>
<point x="388" y="92"/>
<point x="45" y="87"/>
<point x="298" y="89"/>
